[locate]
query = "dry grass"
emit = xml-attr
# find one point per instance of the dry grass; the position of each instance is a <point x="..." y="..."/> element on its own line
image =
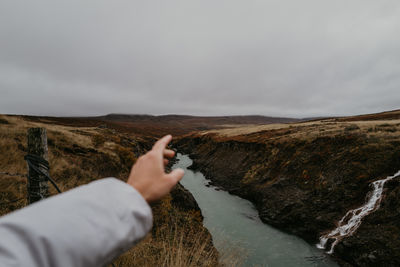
<point x="175" y="248"/>
<point x="68" y="169"/>
<point x="80" y="155"/>
<point x="250" y="129"/>
<point x="313" y="129"/>
<point x="232" y="130"/>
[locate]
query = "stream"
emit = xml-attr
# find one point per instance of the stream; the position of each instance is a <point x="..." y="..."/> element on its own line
<point x="352" y="220"/>
<point x="234" y="223"/>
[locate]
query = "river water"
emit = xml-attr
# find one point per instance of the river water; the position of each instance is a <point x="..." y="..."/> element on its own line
<point x="233" y="221"/>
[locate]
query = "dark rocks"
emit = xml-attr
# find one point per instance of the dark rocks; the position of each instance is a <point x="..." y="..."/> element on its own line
<point x="183" y="199"/>
<point x="306" y="187"/>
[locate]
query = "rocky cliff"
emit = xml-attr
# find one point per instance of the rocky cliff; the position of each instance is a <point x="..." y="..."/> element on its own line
<point x="304" y="179"/>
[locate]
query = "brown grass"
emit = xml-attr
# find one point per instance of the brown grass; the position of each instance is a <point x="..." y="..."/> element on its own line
<point x="310" y="130"/>
<point x="80" y="155"/>
<point x="172" y="248"/>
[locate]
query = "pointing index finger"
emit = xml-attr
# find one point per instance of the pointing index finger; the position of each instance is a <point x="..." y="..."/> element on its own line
<point x="161" y="144"/>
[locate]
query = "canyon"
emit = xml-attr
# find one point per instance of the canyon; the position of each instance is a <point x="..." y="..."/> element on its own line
<point x="304" y="177"/>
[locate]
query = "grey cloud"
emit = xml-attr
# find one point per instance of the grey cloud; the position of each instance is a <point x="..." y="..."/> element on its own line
<point x="270" y="57"/>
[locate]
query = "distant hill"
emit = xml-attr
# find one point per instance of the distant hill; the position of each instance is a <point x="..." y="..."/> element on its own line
<point x="196" y="120"/>
<point x="165" y="124"/>
<point x="156" y="126"/>
<point x="386" y="115"/>
<point x="181" y="124"/>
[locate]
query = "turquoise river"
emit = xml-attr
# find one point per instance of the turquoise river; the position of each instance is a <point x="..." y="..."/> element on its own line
<point x="234" y="223"/>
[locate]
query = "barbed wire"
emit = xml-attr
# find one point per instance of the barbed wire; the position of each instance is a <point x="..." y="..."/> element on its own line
<point x="38" y="163"/>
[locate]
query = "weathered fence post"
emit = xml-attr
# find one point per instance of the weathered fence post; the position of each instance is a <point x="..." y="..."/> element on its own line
<point x="37" y="182"/>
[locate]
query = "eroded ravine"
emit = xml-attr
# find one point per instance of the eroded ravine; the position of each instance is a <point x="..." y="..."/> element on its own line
<point x="304" y="187"/>
<point x="234" y="221"/>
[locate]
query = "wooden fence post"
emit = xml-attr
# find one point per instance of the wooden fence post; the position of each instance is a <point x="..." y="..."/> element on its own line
<point x="37" y="183"/>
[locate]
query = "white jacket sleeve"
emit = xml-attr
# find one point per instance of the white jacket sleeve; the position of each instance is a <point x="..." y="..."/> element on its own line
<point x="86" y="226"/>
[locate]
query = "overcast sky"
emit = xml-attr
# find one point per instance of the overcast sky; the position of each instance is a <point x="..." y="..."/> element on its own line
<point x="202" y="57"/>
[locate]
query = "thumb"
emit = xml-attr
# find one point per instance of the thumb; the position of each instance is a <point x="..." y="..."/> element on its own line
<point x="176" y="175"/>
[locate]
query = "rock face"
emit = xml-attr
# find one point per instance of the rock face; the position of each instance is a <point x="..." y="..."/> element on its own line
<point x="183" y="199"/>
<point x="304" y="186"/>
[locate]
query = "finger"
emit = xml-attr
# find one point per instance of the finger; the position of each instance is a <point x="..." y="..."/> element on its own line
<point x="168" y="153"/>
<point x="176" y="175"/>
<point x="161" y="144"/>
<point x="165" y="162"/>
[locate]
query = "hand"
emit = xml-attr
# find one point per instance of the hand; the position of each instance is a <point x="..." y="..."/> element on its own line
<point x="148" y="175"/>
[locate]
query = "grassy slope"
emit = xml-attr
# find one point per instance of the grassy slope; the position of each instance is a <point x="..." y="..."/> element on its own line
<point x="82" y="154"/>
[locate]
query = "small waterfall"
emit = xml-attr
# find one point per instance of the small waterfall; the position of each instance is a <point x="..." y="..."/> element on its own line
<point x="352" y="220"/>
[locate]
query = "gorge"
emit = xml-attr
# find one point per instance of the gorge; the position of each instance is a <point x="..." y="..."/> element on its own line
<point x="235" y="226"/>
<point x="303" y="178"/>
